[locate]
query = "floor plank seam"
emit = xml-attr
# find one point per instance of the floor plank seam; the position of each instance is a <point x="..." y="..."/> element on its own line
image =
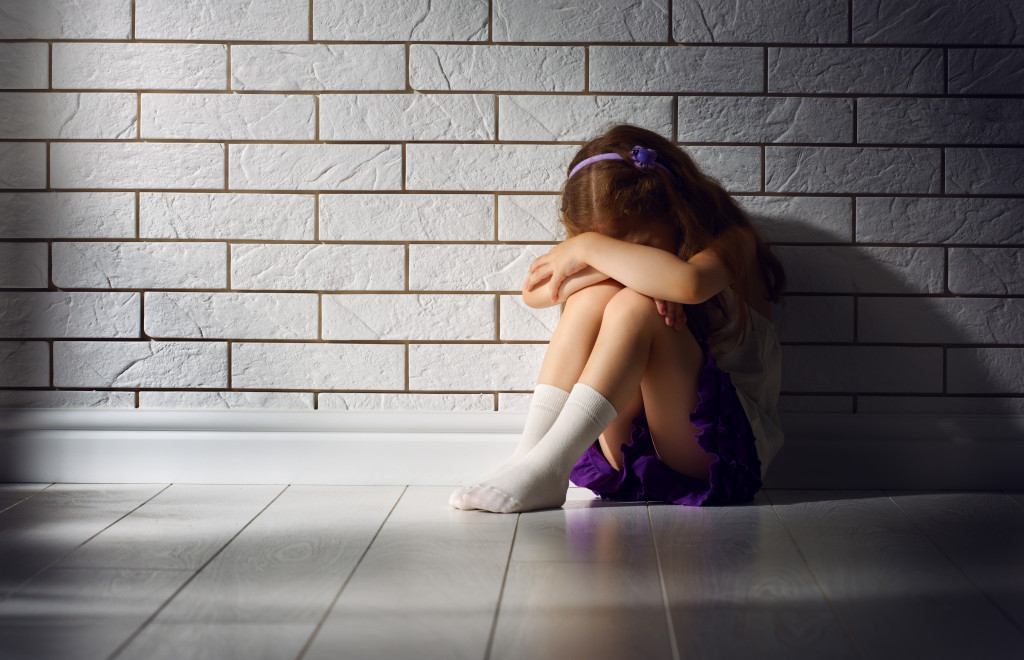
<point x="61" y="558"/>
<point x="1006" y="615"/>
<point x="327" y="612"/>
<point x="673" y="643"/>
<point x="120" y="649"/>
<point x="501" y="590"/>
<point x="828" y="601"/>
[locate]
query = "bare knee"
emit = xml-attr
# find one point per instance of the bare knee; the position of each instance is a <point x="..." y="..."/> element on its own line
<point x="592" y="299"/>
<point x="628" y="304"/>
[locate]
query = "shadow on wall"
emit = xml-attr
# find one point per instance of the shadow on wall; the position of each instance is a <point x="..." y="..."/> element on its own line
<point x="873" y="328"/>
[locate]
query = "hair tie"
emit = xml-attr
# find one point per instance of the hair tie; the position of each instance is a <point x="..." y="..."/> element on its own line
<point x="642" y="157"/>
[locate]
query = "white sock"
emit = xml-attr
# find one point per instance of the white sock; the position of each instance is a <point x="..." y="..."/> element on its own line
<point x="539" y="479"/>
<point x="546" y="403"/>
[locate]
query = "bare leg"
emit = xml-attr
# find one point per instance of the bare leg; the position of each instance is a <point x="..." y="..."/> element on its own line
<point x="575" y="334"/>
<point x="635" y="348"/>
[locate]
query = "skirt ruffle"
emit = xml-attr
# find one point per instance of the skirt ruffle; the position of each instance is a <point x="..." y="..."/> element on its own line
<point x="724" y="432"/>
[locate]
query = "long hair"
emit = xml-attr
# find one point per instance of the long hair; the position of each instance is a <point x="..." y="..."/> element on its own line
<point x="615" y="197"/>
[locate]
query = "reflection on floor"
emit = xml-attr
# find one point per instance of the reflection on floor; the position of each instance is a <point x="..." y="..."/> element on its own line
<point x="217" y="571"/>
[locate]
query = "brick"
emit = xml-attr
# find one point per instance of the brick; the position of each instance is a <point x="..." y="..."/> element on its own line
<point x="229" y="116"/>
<point x="738" y="169"/>
<point x="786" y="21"/>
<point x="24" y="65"/>
<point x="131" y="265"/>
<point x="872" y="369"/>
<point x="520" y="322"/>
<point x="941" y="405"/>
<point x="986" y="71"/>
<point x="318" y="267"/>
<point x="949" y="220"/>
<point x="317" y="366"/>
<point x="140" y="364"/>
<point x="139" y="66"/>
<point x="404" y="20"/>
<point x="513" y="167"/>
<point x="228" y="400"/>
<point x="136" y="165"/>
<point x="407" y="402"/>
<point x="36" y="115"/>
<point x="174" y="315"/>
<point x="852" y="170"/>
<point x="66" y="314"/>
<point x="801" y="219"/>
<point x="471" y="267"/>
<point x="566" y="20"/>
<point x="222" y="20"/>
<point x="529" y="218"/>
<point x="67" y="215"/>
<point x="66" y="399"/>
<point x="412" y="217"/>
<point x="985" y="370"/>
<point x="937" y="22"/>
<point x="764" y="119"/>
<point x="577" y="118"/>
<point x="315" y="167"/>
<point x="24" y="265"/>
<point x="407" y="117"/>
<point x="810" y="403"/>
<point x="318" y="67"/>
<point x="22" y="165"/>
<point x="941" y="320"/>
<point x="856" y="70"/>
<point x="24" y="364"/>
<point x="936" y="121"/>
<point x="65" y="19"/>
<point x="497" y="68"/>
<point x="997" y="271"/>
<point x="815" y="319"/>
<point x="474" y="366"/>
<point x="266" y="216"/>
<point x="676" y="69"/>
<point x="980" y="171"/>
<point x="424" y="317"/>
<point x="850" y="269"/>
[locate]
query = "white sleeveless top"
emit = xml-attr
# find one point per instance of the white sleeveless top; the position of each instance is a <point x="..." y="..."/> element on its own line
<point x="755" y="367"/>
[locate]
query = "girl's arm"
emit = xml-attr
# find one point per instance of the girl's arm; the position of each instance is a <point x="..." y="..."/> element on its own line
<point x="651" y="271"/>
<point x="540" y="295"/>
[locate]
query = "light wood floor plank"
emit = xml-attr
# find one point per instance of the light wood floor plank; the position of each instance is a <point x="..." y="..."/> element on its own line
<point x="81" y="613"/>
<point x="896" y="593"/>
<point x="983" y="533"/>
<point x="19" y="491"/>
<point x="219" y="641"/>
<point x="425" y="589"/>
<point x="47" y="526"/>
<point x="288" y="564"/>
<point x="181" y="528"/>
<point x="587" y="531"/>
<point x="584" y="584"/>
<point x="737" y="587"/>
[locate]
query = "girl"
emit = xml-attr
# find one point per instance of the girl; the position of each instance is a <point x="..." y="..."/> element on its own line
<point x="664" y="352"/>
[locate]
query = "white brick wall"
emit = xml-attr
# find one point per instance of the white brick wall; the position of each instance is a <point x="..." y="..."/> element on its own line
<point x="333" y="204"/>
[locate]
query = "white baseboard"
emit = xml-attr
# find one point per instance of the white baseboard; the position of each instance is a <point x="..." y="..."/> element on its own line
<point x="423" y="448"/>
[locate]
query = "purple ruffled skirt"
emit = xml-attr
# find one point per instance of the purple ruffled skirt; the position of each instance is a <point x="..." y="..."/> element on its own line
<point x="724" y="432"/>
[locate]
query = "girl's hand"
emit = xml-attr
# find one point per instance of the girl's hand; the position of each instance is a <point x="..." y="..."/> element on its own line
<point x="565" y="259"/>
<point x="673" y="312"/>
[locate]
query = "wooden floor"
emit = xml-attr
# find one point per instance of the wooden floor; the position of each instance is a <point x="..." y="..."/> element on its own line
<point x="214" y="571"/>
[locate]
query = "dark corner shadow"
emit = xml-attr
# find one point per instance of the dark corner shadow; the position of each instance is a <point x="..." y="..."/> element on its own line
<point x="857" y="298"/>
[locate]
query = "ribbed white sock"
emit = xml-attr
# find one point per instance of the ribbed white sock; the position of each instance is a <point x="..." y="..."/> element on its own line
<point x="539" y="479"/>
<point x="546" y="403"/>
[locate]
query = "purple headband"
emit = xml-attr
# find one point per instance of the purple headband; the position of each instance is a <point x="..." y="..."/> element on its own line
<point x="641" y="157"/>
